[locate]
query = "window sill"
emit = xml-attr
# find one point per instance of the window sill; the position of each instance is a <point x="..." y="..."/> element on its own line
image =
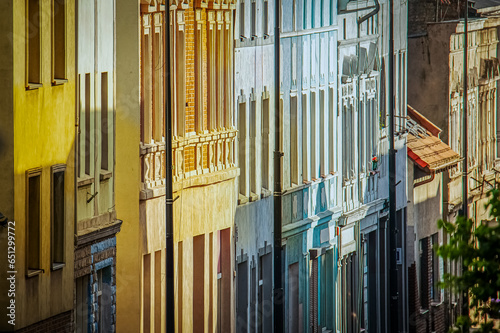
<point x="57" y="266"/>
<point x="436" y="303"/>
<point x="242" y="199"/>
<point x="58" y="82"/>
<point x="33" y="86"/>
<point x="105" y="175"/>
<point x="424" y="311"/>
<point x="85" y="181"/>
<point x="34" y="272"/>
<point x="265" y="193"/>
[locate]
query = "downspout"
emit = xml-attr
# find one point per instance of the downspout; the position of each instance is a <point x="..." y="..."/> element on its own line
<point x="278" y="294"/>
<point x="393" y="235"/>
<point x="169" y="201"/>
<point x="77" y="131"/>
<point x="370" y="14"/>
<point x="465" y="195"/>
<point x="426" y="181"/>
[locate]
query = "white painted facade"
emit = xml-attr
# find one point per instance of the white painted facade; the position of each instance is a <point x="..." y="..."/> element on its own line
<point x="254" y="107"/>
<point x="362" y="106"/>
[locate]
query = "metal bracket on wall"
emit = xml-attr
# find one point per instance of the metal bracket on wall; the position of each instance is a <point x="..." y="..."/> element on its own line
<point x="91" y="197"/>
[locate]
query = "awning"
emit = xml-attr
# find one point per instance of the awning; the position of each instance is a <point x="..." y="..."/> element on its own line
<point x="426" y="149"/>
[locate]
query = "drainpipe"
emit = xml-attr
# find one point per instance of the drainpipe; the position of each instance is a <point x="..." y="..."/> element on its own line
<point x="278" y="297"/>
<point x="465" y="199"/>
<point x="169" y="209"/>
<point x="77" y="131"/>
<point x="426" y="181"/>
<point x="393" y="228"/>
<point x="370" y="14"/>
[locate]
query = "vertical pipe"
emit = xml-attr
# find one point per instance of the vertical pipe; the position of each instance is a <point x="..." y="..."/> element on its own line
<point x="393" y="228"/>
<point x="169" y="209"/>
<point x="278" y="287"/>
<point x="465" y="210"/>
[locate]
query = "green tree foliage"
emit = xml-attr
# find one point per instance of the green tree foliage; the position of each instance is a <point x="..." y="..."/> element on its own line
<point x="478" y="245"/>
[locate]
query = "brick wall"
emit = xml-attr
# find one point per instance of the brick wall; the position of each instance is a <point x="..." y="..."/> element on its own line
<point x="89" y="258"/>
<point x="422" y="11"/>
<point x="60" y="323"/>
<point x="431" y="319"/>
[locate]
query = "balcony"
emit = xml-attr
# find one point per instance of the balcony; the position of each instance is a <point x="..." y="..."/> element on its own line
<point x="193" y="155"/>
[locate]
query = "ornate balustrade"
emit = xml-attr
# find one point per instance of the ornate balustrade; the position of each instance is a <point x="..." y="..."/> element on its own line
<point x="191" y="156"/>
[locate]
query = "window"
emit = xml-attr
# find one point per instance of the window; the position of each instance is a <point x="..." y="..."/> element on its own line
<point x="435" y="290"/>
<point x="146" y="285"/>
<point x="146" y="77"/>
<point x="181" y="75"/>
<point x="332" y="131"/>
<point x="265" y="142"/>
<point x="424" y="277"/>
<point x="253" y="20"/>
<point x="314" y="136"/>
<point x="58" y="216"/>
<point x="265" y="19"/>
<point x="362" y="139"/>
<point x="157" y="83"/>
<point x="253" y="144"/>
<point x="82" y="304"/>
<point x="294" y="143"/>
<point x="87" y="125"/>
<point x="158" y="296"/>
<point x="104" y="122"/>
<point x="242" y="148"/>
<point x="242" y="19"/>
<point x="33" y="222"/>
<point x="198" y="283"/>
<point x="199" y="78"/>
<point x="104" y="301"/>
<point x="212" y="73"/>
<point x="59" y="40"/>
<point x="242" y="297"/>
<point x="265" y="323"/>
<point x="33" y="41"/>
<point x="294" y="308"/>
<point x="323" y="136"/>
<point x="305" y="140"/>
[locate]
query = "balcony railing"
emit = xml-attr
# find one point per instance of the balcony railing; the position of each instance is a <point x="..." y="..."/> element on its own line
<point x="191" y="156"/>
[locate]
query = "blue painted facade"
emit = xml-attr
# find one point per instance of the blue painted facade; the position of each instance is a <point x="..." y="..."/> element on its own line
<point x="311" y="131"/>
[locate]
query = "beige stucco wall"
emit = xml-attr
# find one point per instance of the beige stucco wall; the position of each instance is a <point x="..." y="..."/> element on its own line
<point x="203" y="210"/>
<point x="127" y="171"/>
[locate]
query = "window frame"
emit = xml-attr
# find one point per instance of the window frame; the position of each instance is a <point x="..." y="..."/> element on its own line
<point x="58" y="168"/>
<point x="56" y="80"/>
<point x="36" y="172"/>
<point x="33" y="84"/>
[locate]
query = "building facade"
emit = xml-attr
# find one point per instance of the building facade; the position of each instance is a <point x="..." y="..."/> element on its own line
<point x="204" y="169"/>
<point x="428" y="160"/>
<point x="254" y="106"/>
<point x="400" y="74"/>
<point x="97" y="224"/>
<point x="358" y="107"/>
<point x="204" y="139"/>
<point x="129" y="259"/>
<point x="440" y="51"/>
<point x="37" y="151"/>
<point x="310" y="133"/>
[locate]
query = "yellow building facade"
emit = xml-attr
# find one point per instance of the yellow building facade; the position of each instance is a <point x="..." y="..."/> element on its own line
<point x="204" y="167"/>
<point x="37" y="153"/>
